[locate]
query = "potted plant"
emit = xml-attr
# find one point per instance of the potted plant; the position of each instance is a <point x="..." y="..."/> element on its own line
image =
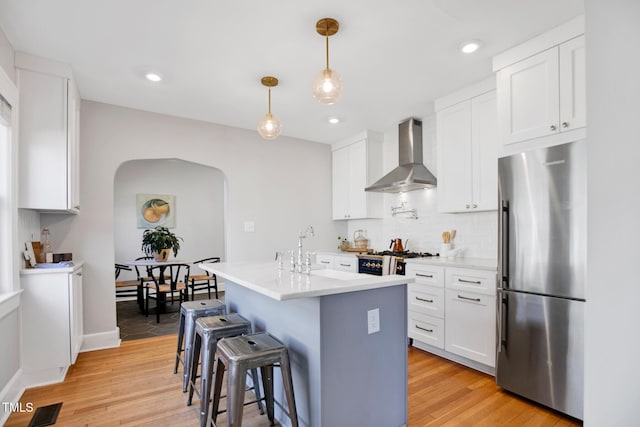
<point x="159" y="242"/>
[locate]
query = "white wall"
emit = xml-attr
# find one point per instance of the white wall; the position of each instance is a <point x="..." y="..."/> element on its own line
<point x="199" y="206"/>
<point x="280" y="185"/>
<point x="477" y="233"/>
<point x="6" y="57"/>
<point x="612" y="350"/>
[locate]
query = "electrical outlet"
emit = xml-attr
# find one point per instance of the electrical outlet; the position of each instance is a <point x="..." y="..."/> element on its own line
<point x="249" y="226"/>
<point x="373" y="321"/>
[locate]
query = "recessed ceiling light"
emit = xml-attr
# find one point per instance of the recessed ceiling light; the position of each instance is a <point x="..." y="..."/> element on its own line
<point x="153" y="77"/>
<point x="334" y="120"/>
<point x="470" y="46"/>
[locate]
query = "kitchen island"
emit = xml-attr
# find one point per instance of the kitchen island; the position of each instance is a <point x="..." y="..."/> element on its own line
<point x="344" y="373"/>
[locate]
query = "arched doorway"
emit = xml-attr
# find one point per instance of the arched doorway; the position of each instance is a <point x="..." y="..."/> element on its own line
<point x="198" y="194"/>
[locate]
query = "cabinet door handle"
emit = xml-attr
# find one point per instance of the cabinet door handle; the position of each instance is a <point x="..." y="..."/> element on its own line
<point x="345" y="265"/>
<point x="425" y="300"/>
<point x="467" y="206"/>
<point x="428" y="276"/>
<point x="475" y="282"/>
<point x="475" y="205"/>
<point x="325" y="262"/>
<point x="553" y="127"/>
<point x="424" y="329"/>
<point x="565" y="124"/>
<point x="469" y="299"/>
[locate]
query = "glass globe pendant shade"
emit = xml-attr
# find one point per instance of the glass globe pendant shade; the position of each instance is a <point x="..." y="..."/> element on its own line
<point x="327" y="86"/>
<point x="269" y="126"/>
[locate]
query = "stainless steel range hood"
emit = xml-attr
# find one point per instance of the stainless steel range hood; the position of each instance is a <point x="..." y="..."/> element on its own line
<point x="411" y="174"/>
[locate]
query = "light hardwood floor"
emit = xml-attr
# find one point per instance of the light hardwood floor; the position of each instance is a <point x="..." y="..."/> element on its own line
<point x="134" y="385"/>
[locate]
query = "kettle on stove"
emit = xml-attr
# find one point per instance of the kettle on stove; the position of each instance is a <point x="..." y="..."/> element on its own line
<point x="396" y="245"/>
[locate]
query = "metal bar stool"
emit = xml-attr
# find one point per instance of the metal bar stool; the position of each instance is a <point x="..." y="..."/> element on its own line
<point x="208" y="331"/>
<point x="245" y="352"/>
<point x="189" y="312"/>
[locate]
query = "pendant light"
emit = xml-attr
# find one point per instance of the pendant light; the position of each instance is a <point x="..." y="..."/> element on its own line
<point x="327" y="85"/>
<point x="269" y="126"/>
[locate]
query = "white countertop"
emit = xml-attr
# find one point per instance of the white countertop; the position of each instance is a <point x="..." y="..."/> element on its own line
<point x="59" y="267"/>
<point x="266" y="279"/>
<point x="478" y="263"/>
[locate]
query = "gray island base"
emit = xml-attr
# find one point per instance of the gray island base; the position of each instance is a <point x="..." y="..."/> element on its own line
<point x="342" y="375"/>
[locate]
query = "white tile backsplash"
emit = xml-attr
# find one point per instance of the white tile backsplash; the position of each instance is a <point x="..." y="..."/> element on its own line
<point x="29" y="226"/>
<point x="476" y="233"/>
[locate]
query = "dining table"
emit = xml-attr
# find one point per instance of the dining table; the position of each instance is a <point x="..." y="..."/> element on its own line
<point x="148" y="263"/>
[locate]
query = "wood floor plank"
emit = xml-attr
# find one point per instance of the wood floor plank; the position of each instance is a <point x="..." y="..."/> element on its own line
<point x="134" y="385"/>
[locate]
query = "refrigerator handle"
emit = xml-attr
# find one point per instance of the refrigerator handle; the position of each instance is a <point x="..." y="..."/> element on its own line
<point x="504" y="244"/>
<point x="502" y="321"/>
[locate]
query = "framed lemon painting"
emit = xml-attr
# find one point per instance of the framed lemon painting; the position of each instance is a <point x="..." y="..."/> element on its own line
<point x="153" y="210"/>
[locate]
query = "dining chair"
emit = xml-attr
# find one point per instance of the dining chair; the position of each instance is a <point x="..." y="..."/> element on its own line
<point x="159" y="289"/>
<point x="205" y="280"/>
<point x="124" y="287"/>
<point x="144" y="276"/>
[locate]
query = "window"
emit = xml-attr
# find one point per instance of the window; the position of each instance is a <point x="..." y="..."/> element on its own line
<point x="8" y="185"/>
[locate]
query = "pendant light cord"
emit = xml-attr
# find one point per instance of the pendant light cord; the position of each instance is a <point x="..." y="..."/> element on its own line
<point x="269" y="100"/>
<point x="327" y="47"/>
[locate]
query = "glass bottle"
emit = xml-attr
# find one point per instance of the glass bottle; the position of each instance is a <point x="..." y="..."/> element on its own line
<point x="47" y="252"/>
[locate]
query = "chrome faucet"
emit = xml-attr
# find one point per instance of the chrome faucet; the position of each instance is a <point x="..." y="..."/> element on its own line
<point x="307" y="233"/>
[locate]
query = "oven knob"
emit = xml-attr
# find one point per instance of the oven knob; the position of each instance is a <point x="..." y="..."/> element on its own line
<point x="367" y="264"/>
<point x="379" y="265"/>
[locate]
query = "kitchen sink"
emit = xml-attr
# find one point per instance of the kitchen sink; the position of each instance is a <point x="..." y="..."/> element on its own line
<point x="336" y="274"/>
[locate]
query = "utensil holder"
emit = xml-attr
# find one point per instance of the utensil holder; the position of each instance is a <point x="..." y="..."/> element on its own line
<point x="445" y="249"/>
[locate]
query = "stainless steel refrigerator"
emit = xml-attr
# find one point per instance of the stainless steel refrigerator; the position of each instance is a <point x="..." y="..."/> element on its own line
<point x="541" y="275"/>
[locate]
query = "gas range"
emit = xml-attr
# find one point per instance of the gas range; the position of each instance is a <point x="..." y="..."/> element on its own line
<point x="374" y="263"/>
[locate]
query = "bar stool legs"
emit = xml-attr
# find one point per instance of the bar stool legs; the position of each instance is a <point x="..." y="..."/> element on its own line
<point x="239" y="354"/>
<point x="189" y="312"/>
<point x="208" y="331"/>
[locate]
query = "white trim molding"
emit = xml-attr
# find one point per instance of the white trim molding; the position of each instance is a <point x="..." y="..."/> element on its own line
<point x="101" y="340"/>
<point x="9" y="302"/>
<point x="11" y="392"/>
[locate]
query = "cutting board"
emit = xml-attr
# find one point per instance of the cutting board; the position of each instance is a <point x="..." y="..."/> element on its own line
<point x="29" y="255"/>
<point x="360" y="250"/>
<point x="37" y="250"/>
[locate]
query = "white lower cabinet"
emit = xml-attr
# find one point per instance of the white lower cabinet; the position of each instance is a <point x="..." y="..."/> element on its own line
<point x="51" y="322"/>
<point x="426" y="304"/>
<point x="470" y="320"/>
<point x="453" y="311"/>
<point x="325" y="260"/>
<point x="427" y="329"/>
<point x="346" y="263"/>
<point x="336" y="261"/>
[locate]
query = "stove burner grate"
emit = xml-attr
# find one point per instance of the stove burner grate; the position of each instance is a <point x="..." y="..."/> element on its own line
<point x="406" y="254"/>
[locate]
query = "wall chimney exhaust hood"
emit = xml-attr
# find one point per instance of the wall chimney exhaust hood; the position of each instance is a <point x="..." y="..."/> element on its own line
<point x="411" y="174"/>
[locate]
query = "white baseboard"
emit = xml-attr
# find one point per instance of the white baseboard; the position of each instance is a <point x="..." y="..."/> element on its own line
<point x="11" y="392"/>
<point x="44" y="377"/>
<point x="101" y="340"/>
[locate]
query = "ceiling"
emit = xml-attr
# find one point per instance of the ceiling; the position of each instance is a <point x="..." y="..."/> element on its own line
<point x="395" y="56"/>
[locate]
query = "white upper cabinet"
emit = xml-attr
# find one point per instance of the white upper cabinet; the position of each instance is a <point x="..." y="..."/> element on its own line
<point x="467" y="141"/>
<point x="541" y="86"/>
<point x="49" y="135"/>
<point x="573" y="86"/>
<point x="356" y="163"/>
